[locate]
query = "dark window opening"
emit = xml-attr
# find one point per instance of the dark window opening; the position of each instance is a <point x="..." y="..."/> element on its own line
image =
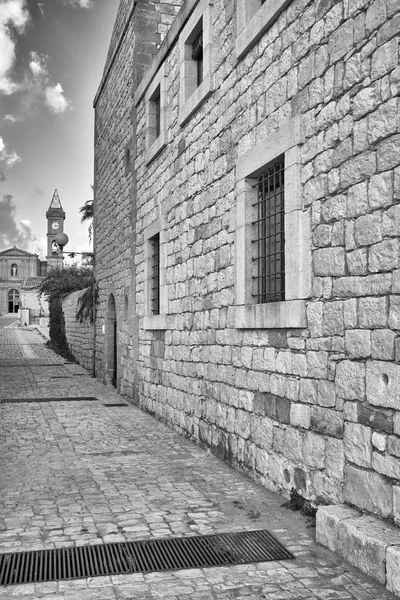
<point x="155" y="274"/>
<point x="13" y="301"/>
<point x="197" y="55"/>
<point x="269" y="236"/>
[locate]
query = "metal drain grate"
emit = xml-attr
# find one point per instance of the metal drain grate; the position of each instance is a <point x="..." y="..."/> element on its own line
<point x="116" y="404"/>
<point x="143" y="556"/>
<point x="30" y="400"/>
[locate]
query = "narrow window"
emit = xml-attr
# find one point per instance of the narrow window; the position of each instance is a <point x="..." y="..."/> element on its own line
<point x="155" y="274"/>
<point x="269" y="236"/>
<point x="13" y="301"/>
<point x="155" y="115"/>
<point x="14" y="270"/>
<point x="197" y="55"/>
<point x="157" y="107"/>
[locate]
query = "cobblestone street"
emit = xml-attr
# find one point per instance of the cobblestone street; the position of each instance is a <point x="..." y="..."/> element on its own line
<point x="77" y="473"/>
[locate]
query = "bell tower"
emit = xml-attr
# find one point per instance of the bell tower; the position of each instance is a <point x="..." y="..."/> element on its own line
<point x="55" y="224"/>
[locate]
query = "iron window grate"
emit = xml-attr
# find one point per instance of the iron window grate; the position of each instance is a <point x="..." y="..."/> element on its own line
<point x="30" y="400"/>
<point x="269" y="236"/>
<point x="142" y="556"/>
<point x="155" y="274"/>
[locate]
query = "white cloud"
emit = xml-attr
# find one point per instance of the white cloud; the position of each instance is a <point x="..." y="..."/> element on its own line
<point x="39" y="87"/>
<point x="12" y="118"/>
<point x="55" y="99"/>
<point x="14" y="232"/>
<point x="79" y="3"/>
<point x="6" y="157"/>
<point x="13" y="13"/>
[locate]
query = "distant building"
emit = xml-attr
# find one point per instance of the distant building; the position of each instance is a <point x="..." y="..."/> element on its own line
<point x="22" y="271"/>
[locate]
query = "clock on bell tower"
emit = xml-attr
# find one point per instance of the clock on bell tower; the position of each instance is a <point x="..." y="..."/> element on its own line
<point x="55" y="224"/>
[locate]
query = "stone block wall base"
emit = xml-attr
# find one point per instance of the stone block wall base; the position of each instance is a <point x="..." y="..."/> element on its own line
<point x="365" y="541"/>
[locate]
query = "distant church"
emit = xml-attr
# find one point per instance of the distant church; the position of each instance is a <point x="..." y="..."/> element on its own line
<point x="21" y="271"/>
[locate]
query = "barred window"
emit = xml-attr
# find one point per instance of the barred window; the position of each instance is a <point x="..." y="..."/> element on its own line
<point x="155" y="274"/>
<point x="269" y="236"/>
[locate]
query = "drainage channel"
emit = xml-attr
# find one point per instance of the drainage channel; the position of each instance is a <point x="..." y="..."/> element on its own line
<point x="144" y="556"/>
<point x="29" y="400"/>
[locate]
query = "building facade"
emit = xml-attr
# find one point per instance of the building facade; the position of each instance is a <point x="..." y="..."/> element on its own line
<point x="247" y="219"/>
<point x="21" y="271"/>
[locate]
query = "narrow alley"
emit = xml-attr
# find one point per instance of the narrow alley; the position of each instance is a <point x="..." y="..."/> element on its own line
<point x="96" y="470"/>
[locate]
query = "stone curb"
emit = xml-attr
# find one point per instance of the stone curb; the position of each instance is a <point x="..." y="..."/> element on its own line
<point x="365" y="541"/>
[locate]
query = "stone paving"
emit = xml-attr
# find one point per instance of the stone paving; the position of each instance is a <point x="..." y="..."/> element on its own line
<point x="75" y="473"/>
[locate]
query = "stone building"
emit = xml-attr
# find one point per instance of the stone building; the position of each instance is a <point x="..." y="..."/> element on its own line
<point x="247" y="218"/>
<point x="21" y="271"/>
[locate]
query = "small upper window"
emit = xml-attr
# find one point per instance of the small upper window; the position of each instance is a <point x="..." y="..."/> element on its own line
<point x="14" y="270"/>
<point x="195" y="55"/>
<point x="156" y="115"/>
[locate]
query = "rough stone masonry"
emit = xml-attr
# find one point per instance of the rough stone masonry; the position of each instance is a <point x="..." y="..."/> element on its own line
<point x="304" y="393"/>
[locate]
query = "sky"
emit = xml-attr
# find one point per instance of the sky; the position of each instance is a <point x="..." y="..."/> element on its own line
<point x="52" y="55"/>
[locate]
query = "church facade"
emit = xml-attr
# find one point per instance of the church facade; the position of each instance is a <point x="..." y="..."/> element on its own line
<point x="247" y="218"/>
<point x="22" y="271"/>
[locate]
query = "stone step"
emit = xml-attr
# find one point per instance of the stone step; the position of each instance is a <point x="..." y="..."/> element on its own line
<point x="365" y="541"/>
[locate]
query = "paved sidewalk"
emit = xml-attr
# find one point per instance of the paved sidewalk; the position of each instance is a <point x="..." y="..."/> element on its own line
<point x="75" y="473"/>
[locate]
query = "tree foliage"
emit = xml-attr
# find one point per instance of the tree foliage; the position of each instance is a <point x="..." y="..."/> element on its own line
<point x="57" y="284"/>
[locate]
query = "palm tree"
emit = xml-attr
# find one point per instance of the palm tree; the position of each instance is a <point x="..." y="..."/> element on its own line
<point x="87" y="211"/>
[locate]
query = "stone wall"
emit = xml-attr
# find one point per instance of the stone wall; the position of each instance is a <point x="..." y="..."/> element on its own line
<point x="313" y="407"/>
<point x="79" y="335"/>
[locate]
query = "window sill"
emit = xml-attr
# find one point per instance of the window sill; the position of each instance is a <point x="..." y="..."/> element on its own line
<point x="258" y="25"/>
<point x="196" y="99"/>
<point x="155" y="322"/>
<point x="290" y="314"/>
<point x="156" y="147"/>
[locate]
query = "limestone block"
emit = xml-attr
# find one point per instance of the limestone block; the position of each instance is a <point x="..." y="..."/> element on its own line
<point x="386" y="464"/>
<point x="350" y="411"/>
<point x="314" y="318"/>
<point x="394" y="312"/>
<point x="383" y="122"/>
<point x="365" y="101"/>
<point x="373" y="312"/>
<point x="388" y="153"/>
<point x="322" y="236"/>
<point x="300" y="415"/>
<point x="382" y="344"/>
<point x="308" y="391"/>
<point x="332" y="319"/>
<point x="327" y="523"/>
<point x="341" y="41"/>
<point x="358" y="343"/>
<point x="326" y="393"/>
<point x="329" y="262"/>
<point x="396" y="504"/>
<point x="391" y="221"/>
<point x="314" y="450"/>
<point x="357" y="444"/>
<point x="393" y="569"/>
<point x="338" y="233"/>
<point x="262" y="432"/>
<point x="334" y="208"/>
<point x="383" y="384"/>
<point x="384" y="256"/>
<point x="289" y="443"/>
<point x="358" y="168"/>
<point x="393" y="445"/>
<point x="385" y="58"/>
<point x="367" y="229"/>
<point x="376" y="15"/>
<point x="300" y="365"/>
<point x="364" y="541"/>
<point x="360" y="136"/>
<point x="368" y="490"/>
<point x="377" y="418"/>
<point x="317" y="364"/>
<point x="350" y="314"/>
<point x="357" y="261"/>
<point x="350" y="380"/>
<point x="379" y="441"/>
<point x="327" y="421"/>
<point x="334" y="458"/>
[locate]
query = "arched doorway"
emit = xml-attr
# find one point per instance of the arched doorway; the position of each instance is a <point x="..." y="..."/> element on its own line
<point x="111" y="341"/>
<point x="13" y="301"/>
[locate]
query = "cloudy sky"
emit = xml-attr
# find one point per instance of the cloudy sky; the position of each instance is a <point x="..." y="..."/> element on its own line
<point x="52" y="54"/>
